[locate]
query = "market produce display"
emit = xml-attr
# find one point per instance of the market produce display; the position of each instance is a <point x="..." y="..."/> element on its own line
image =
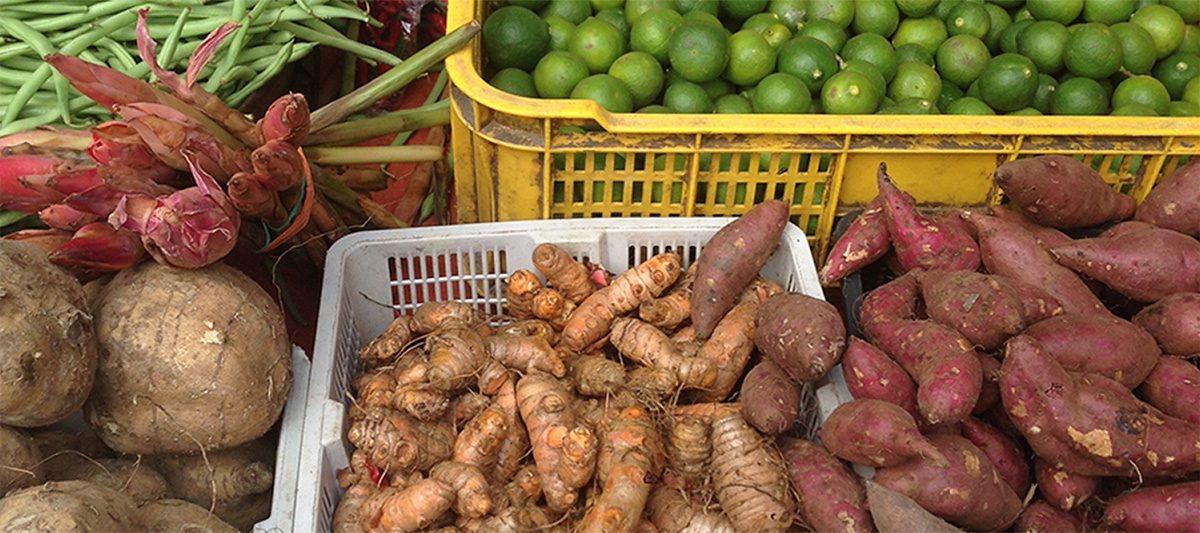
<point x="1008" y="57"/>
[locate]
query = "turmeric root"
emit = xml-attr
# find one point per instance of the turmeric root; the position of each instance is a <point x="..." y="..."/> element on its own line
<point x="546" y="409"/>
<point x="548" y="303"/>
<point x="346" y="517"/>
<point x="479" y="441"/>
<point x="531" y="328"/>
<point x="455" y="356"/>
<point x="525" y="354"/>
<point x="673" y="308"/>
<point x="630" y="463"/>
<point x="578" y="463"/>
<point x="466" y="406"/>
<point x="759" y="290"/>
<point x="522" y="285"/>
<point x="685" y="341"/>
<point x="521" y="520"/>
<point x="389" y="344"/>
<point x="651" y="382"/>
<point x="729" y="349"/>
<point x="394" y="441"/>
<point x="647" y="345"/>
<point x="470" y="487"/>
<point x="415" y="507"/>
<point x="671" y="512"/>
<point x="749" y="476"/>
<point x="374" y="389"/>
<point x="563" y="272"/>
<point x="689" y="446"/>
<point x="594" y="316"/>
<point x="499" y="382"/>
<point x="421" y="401"/>
<point x="525" y="486"/>
<point x="430" y="316"/>
<point x="596" y="375"/>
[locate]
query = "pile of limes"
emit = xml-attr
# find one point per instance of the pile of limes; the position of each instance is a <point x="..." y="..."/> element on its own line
<point x="961" y="57"/>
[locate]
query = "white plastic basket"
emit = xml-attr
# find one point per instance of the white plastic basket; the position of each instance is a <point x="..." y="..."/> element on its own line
<point x="287" y="454"/>
<point x="370" y="277"/>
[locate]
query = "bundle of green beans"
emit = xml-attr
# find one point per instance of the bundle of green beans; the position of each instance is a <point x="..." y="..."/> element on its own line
<point x="272" y="33"/>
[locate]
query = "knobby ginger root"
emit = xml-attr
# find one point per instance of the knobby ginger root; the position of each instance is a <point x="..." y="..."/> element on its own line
<point x="630" y="462"/>
<point x="389" y="344"/>
<point x="729" y="349"/>
<point x="675" y="307"/>
<point x="548" y="304"/>
<point x="521" y="288"/>
<point x="395" y="441"/>
<point x="647" y="345"/>
<point x="546" y="409"/>
<point x="594" y="316"/>
<point x="563" y="272"/>
<point x="415" y="507"/>
<point x="455" y="356"/>
<point x="479" y="441"/>
<point x="672" y="512"/>
<point x="431" y="316"/>
<point x="596" y="375"/>
<point x="526" y="353"/>
<point x="470" y="487"/>
<point x="652" y="382"/>
<point x="530" y="327"/>
<point x="466" y="406"/>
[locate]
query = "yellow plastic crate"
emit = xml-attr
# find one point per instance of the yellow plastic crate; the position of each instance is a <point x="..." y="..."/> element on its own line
<point x="520" y="158"/>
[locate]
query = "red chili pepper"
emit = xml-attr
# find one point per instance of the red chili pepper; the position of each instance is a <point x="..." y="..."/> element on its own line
<point x="376" y="475"/>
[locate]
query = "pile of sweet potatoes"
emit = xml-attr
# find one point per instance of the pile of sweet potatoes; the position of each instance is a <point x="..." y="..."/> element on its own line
<point x="1034" y="367"/>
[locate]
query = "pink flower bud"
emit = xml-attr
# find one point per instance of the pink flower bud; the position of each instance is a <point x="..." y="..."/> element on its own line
<point x="98" y="247"/>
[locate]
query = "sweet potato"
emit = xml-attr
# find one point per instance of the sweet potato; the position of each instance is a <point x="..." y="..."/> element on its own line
<point x="863" y="243"/>
<point x="1060" y="488"/>
<point x="1036" y="304"/>
<point x="68" y="506"/>
<point x="20" y="460"/>
<point x="1129" y="226"/>
<point x="870" y="374"/>
<point x="989" y="391"/>
<point x="1174" y="387"/>
<point x="1008" y="250"/>
<point x="1060" y="192"/>
<point x="978" y="306"/>
<point x="1174" y="202"/>
<point x="966" y="491"/>
<point x="1106" y="345"/>
<point x="1166" y="508"/>
<point x="1003" y="452"/>
<point x="1090" y="424"/>
<point x="803" y="335"/>
<point x="179" y="516"/>
<point x="1046" y="235"/>
<point x="770" y="400"/>
<point x="1173" y="322"/>
<point x="731" y="259"/>
<point x="876" y="433"/>
<point x="1041" y="517"/>
<point x="830" y="497"/>
<point x="1146" y="266"/>
<point x="919" y="240"/>
<point x="894" y="512"/>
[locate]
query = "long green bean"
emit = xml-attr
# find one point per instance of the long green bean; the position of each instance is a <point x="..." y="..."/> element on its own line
<point x="264" y="75"/>
<point x="166" y="55"/>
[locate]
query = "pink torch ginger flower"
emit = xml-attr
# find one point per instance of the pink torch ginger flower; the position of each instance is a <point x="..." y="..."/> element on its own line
<point x="98" y="247"/>
<point x="66" y="218"/>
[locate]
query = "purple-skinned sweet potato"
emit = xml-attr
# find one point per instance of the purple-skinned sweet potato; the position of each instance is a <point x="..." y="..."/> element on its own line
<point x="1107" y="345"/>
<point x="918" y="239"/>
<point x="731" y="260"/>
<point x="830" y="497"/>
<point x="1174" y="388"/>
<point x="966" y="491"/>
<point x="1174" y="322"/>
<point x="1129" y="226"/>
<point x="983" y="309"/>
<point x="803" y="335"/>
<point x="863" y="243"/>
<point x="1041" y="517"/>
<point x="895" y="512"/>
<point x="1146" y="266"/>
<point x="1060" y="488"/>
<point x="876" y="433"/>
<point x="1003" y="452"/>
<point x="1046" y="235"/>
<point x="1166" y="508"/>
<point x="1008" y="250"/>
<point x="1174" y="202"/>
<point x="870" y="374"/>
<point x="1060" y="192"/>
<point x="989" y="392"/>
<point x="1036" y="304"/>
<point x="1090" y="424"/>
<point x="892" y="301"/>
<point x="770" y="400"/>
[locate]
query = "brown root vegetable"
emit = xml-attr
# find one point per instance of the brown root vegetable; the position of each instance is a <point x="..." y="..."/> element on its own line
<point x="748" y="476"/>
<point x="863" y="243"/>
<point x="672" y="512"/>
<point x="470" y="487"/>
<point x="1166" y="508"/>
<point x="977" y="305"/>
<point x="548" y="304"/>
<point x="731" y="259"/>
<point x="870" y="374"/>
<point x="876" y="433"/>
<point x="422" y="401"/>
<point x="1174" y="388"/>
<point x="689" y="447"/>
<point x="803" y="335"/>
<point x="179" y="516"/>
<point x="240" y="478"/>
<point x="894" y="512"/>
<point x="531" y="328"/>
<point x="595" y="314"/>
<point x="394" y="441"/>
<point x="194" y="359"/>
<point x="1172" y="322"/>
<point x="1146" y="266"/>
<point x="349" y="512"/>
<point x="673" y="308"/>
<point x="648" y="346"/>
<point x="770" y="400"/>
<point x="465" y="406"/>
<point x="1106" y="345"/>
<point x="1174" y="202"/>
<point x="48" y="351"/>
<point x="1008" y="250"/>
<point x="521" y="519"/>
<point x="650" y="382"/>
<point x="1002" y="451"/>
<point x="20" y="460"/>
<point x="563" y="272"/>
<point x="918" y="239"/>
<point x="596" y="375"/>
<point x="966" y="491"/>
<point x="525" y="487"/>
<point x="579" y="452"/>
<point x="729" y="347"/>
<point x="479" y="441"/>
<point x="1088" y="423"/>
<point x="456" y="355"/>
<point x="1062" y="489"/>
<point x="525" y="353"/>
<point x="631" y="460"/>
<point x="1041" y="517"/>
<point x="501" y="385"/>
<point x="60" y="450"/>
<point x="546" y="409"/>
<point x="431" y="316"/>
<point x="1060" y="192"/>
<point x="521" y="287"/>
<point x="1046" y="235"/>
<point x="68" y="506"/>
<point x="413" y="508"/>
<point x="131" y="477"/>
<point x="830" y="497"/>
<point x="384" y="348"/>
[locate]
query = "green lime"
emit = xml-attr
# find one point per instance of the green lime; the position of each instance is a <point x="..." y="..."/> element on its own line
<point x="1183" y="109"/>
<point x="687" y="97"/>
<point x="808" y="59"/>
<point x="734" y="104"/>
<point x="1107" y="11"/>
<point x="673" y="77"/>
<point x="776" y="35"/>
<point x="870" y="71"/>
<point x="1191" y="92"/>
<point x="914" y="53"/>
<point x="759" y="22"/>
<point x="1191" y="40"/>
<point x="598" y="5"/>
<point x="706" y="18"/>
<point x="558" y="73"/>
<point x="1142" y="90"/>
<point x="1023" y="14"/>
<point x="717" y="87"/>
<point x="1138" y="4"/>
<point x="609" y="92"/>
<point x="741" y="9"/>
<point x="1026" y="112"/>
<point x="515" y="37"/>
<point x="969" y="19"/>
<point x="969" y="106"/>
<point x="1008" y="82"/>
<point x="1043" y="43"/>
<point x="781" y="93"/>
<point x="961" y="58"/>
<point x="998" y="21"/>
<point x="698" y="51"/>
<point x="944" y="8"/>
<point x="652" y="32"/>
<point x="814" y="108"/>
<point x="1045" y="90"/>
<point x="642" y="74"/>
<point x="1105" y="83"/>
<point x="1079" y="96"/>
<point x="840" y="12"/>
<point x="928" y="32"/>
<point x="598" y="43"/>
<point x="1009" y="38"/>
<point x="560" y="32"/>
<point x="1061" y="11"/>
<point x="1009" y="4"/>
<point x="791" y="12"/>
<point x="1137" y="47"/>
<point x="850" y="93"/>
<point x="874" y="49"/>
<point x="950" y="94"/>
<point x="915" y="106"/>
<point x="634" y="9"/>
<point x="515" y="81"/>
<point x="876" y="16"/>
<point x="616" y="17"/>
<point x="573" y="11"/>
<point x="705" y="6"/>
<point x="532" y="5"/>
<point x="751" y="58"/>
<point x="1176" y="70"/>
<point x="1189" y="10"/>
<point x="828" y="32"/>
<point x="1093" y="51"/>
<point x="915" y="80"/>
<point x="972" y="90"/>
<point x="1134" y="110"/>
<point x="654" y="109"/>
<point x="916" y="8"/>
<point x="1165" y="27"/>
